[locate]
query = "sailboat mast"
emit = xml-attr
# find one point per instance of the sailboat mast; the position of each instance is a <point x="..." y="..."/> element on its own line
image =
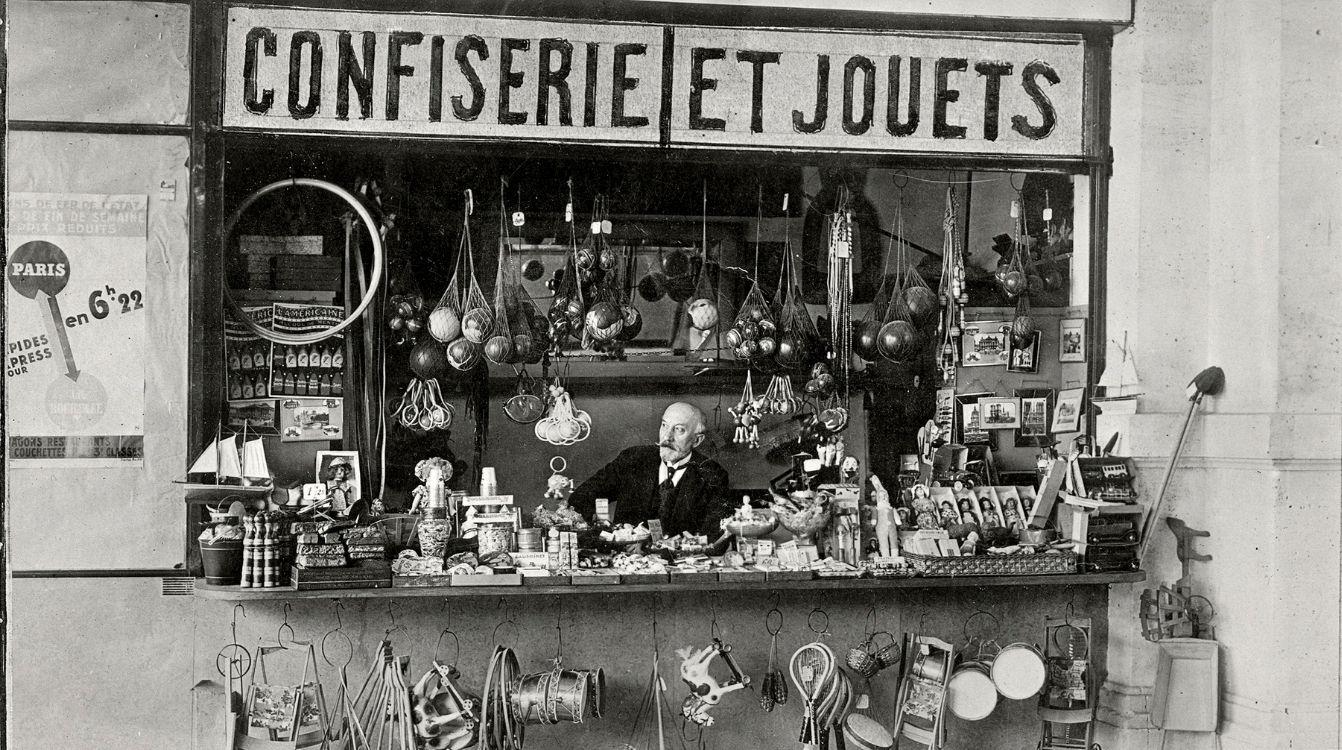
<point x="218" y="449"/>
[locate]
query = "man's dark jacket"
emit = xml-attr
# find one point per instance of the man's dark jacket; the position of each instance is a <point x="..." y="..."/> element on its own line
<point x="630" y="481"/>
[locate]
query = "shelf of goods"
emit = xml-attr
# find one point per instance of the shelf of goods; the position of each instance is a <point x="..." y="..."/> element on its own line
<point x="534" y="587"/>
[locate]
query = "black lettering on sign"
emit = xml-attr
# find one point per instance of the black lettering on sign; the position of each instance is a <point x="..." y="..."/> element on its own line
<point x="757" y="62"/>
<point x="436" y="79"/>
<point x="817" y="123"/>
<point x="396" y="71"/>
<point x="554" y="78"/>
<point x="992" y="96"/>
<point x="589" y="87"/>
<point x="622" y="83"/>
<point x="350" y="73"/>
<point x="699" y="84"/>
<point x="476" y="44"/>
<point x="945" y="95"/>
<point x="1020" y="123"/>
<point x="510" y="79"/>
<point x="850" y="69"/>
<point x="265" y="37"/>
<point x="300" y="40"/>
<point x="893" y="126"/>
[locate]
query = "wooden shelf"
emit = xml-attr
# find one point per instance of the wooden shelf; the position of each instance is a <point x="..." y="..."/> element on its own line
<point x="235" y="593"/>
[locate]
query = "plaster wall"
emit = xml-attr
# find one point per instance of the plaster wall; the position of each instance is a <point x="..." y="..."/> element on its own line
<point x="1221" y="251"/>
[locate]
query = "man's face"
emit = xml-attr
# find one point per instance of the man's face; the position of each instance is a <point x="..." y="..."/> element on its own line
<point x="340" y="473"/>
<point x="681" y="431"/>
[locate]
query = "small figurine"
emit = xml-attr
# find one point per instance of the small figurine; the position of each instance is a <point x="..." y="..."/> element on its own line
<point x="887" y="521"/>
<point x="558" y="486"/>
<point x="848" y="467"/>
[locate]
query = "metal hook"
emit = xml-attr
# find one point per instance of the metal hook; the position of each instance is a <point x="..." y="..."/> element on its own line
<point x="559" y="628"/>
<point x="340" y="631"/>
<point x="279" y="632"/>
<point x="456" y="654"/>
<point x="996" y="626"/>
<point x="870" y="628"/>
<point x="237" y="607"/>
<point x="391" y="615"/>
<point x="896" y="177"/>
<point x="823" y="629"/>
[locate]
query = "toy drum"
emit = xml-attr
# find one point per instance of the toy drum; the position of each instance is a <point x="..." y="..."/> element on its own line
<point x="971" y="694"/>
<point x="1018" y="671"/>
<point x="931" y="666"/>
<point x="865" y="733"/>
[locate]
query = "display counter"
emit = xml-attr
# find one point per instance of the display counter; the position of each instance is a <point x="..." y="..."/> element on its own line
<point x="540" y="587"/>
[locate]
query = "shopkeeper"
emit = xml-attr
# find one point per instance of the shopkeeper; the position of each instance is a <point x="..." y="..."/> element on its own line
<point x="669" y="480"/>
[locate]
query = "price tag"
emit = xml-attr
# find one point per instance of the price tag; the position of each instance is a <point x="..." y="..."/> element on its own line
<point x="605" y="226"/>
<point x="596" y="227"/>
<point x="807" y="673"/>
<point x="519" y="218"/>
<point x="568" y="212"/>
<point x="863" y="702"/>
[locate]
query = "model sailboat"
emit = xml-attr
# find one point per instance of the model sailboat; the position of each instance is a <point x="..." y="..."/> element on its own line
<point x="1119" y="382"/>
<point x="243" y="470"/>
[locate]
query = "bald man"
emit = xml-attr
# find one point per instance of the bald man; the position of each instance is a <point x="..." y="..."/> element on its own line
<point x="669" y="480"/>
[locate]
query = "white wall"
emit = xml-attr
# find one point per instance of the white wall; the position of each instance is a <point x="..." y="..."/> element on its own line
<point x="1221" y="252"/>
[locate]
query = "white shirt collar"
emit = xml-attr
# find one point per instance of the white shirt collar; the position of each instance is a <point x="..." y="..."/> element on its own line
<point x="679" y="467"/>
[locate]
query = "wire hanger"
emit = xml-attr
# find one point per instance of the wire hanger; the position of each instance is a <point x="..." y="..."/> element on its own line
<point x="279" y="632"/>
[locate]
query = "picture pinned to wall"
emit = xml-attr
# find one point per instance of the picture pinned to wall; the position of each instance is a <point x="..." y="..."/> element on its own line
<point x="258" y="415"/>
<point x="1067" y="411"/>
<point x="971" y="428"/>
<point x="1036" y="404"/>
<point x="339" y="471"/>
<point x="1023" y="358"/>
<point x="310" y="419"/>
<point x="999" y="413"/>
<point x="1072" y="340"/>
<point x="984" y="343"/>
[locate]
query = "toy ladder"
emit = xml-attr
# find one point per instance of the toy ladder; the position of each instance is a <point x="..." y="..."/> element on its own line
<point x="1069" y="722"/>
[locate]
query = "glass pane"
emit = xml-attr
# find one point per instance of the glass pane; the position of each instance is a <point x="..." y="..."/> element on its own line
<point x="118" y="62"/>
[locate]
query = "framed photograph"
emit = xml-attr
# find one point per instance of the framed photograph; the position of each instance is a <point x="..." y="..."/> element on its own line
<point x="971" y="425"/>
<point x="1023" y="358"/>
<point x="967" y="433"/>
<point x="1067" y="412"/>
<point x="984" y="343"/>
<point x="1000" y="413"/>
<point x="339" y="471"/>
<point x="1036" y="404"/>
<point x="1072" y="340"/>
<point x="309" y="419"/>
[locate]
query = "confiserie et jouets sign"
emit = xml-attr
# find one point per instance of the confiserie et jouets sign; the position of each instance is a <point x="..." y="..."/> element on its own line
<point x="640" y="84"/>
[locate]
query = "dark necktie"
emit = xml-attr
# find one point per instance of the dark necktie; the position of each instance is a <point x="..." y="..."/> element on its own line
<point x="666" y="491"/>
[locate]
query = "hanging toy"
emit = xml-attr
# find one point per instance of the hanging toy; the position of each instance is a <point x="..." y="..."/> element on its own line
<point x="703" y="307"/>
<point x="952" y="294"/>
<point x="705" y="690"/>
<point x="747" y="416"/>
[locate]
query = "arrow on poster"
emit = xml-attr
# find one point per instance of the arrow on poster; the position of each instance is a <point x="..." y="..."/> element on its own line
<point x="57" y="330"/>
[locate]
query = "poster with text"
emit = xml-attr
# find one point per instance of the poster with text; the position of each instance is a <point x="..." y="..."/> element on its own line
<point x="75" y="339"/>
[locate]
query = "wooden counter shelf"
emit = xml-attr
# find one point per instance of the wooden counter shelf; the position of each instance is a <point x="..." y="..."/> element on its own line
<point x="235" y="593"/>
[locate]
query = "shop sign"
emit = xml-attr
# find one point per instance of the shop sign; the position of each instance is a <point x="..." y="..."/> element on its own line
<point x="640" y="84"/>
